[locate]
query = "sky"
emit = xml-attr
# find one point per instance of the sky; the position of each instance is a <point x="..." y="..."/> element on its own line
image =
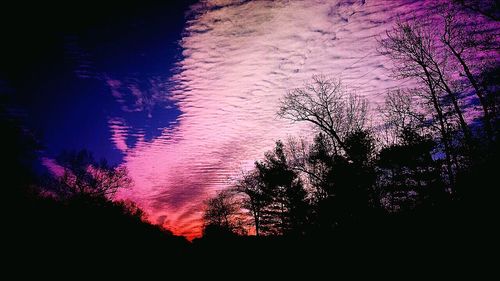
<point x="185" y="93"/>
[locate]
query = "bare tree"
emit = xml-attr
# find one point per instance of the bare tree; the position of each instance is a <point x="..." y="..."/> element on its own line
<point x="83" y="176"/>
<point x="460" y="39"/>
<point x="327" y="104"/>
<point x="410" y="46"/>
<point x="255" y="200"/>
<point x="298" y="154"/>
<point x="400" y="113"/>
<point x="416" y="44"/>
<point x="222" y="213"/>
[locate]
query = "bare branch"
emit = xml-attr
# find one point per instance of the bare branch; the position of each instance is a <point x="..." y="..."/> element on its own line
<point x="328" y="105"/>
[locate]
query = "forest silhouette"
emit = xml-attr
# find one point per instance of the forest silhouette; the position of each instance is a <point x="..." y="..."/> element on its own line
<point x="423" y="182"/>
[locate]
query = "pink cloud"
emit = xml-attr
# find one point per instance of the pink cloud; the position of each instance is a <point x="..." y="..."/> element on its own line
<point x="119" y="133"/>
<point x="239" y="60"/>
<point x="54" y="168"/>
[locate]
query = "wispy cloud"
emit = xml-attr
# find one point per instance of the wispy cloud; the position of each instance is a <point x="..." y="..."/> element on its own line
<point x="119" y="133"/>
<point x="51" y="165"/>
<point x="240" y="57"/>
<point x="138" y="95"/>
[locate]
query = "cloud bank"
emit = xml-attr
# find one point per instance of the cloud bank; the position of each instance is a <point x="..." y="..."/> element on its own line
<point x="239" y="58"/>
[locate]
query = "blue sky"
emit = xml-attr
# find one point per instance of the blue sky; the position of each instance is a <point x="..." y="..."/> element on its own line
<point x="57" y="60"/>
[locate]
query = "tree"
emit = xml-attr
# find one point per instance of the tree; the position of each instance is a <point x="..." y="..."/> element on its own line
<point x="354" y="178"/>
<point x="400" y="112"/>
<point x="328" y="105"/>
<point x="360" y="147"/>
<point x="84" y="177"/>
<point x="286" y="211"/>
<point x="319" y="164"/>
<point x="221" y="217"/>
<point x="255" y="200"/>
<point x="464" y="38"/>
<point x="339" y="165"/>
<point x="407" y="172"/>
<point x="413" y="46"/>
<point x="413" y="49"/>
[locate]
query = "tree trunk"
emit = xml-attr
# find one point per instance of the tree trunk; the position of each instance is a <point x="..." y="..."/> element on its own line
<point x="477" y="88"/>
<point x="443" y="130"/>
<point x="456" y="106"/>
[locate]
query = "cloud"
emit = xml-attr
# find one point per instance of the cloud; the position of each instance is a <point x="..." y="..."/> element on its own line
<point x="119" y="133"/>
<point x="138" y="95"/>
<point x="54" y="168"/>
<point x="239" y="58"/>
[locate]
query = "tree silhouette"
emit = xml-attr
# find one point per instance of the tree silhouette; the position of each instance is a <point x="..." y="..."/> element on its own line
<point x="221" y="217"/>
<point x="354" y="178"/>
<point x="413" y="45"/>
<point x="287" y="211"/>
<point x="413" y="48"/>
<point x="463" y="38"/>
<point x="401" y="113"/>
<point x="428" y="187"/>
<point x="80" y="225"/>
<point x="328" y="105"/>
<point x="255" y="200"/>
<point x="83" y="176"/>
<point x="320" y="167"/>
<point x="407" y="172"/>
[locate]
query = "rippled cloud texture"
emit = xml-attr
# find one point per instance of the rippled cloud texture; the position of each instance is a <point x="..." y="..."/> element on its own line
<point x="240" y="57"/>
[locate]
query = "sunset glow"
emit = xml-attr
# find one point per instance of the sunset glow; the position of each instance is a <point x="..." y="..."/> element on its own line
<point x="238" y="61"/>
<point x="186" y="97"/>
